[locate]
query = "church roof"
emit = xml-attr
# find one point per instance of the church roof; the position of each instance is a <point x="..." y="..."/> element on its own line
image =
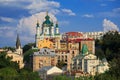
<point x="18" y="44"/>
<point x="47" y="20"/>
<point x="74" y="34"/>
<point x="84" y="49"/>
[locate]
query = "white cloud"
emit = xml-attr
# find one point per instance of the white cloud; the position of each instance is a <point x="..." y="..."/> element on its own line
<point x="7" y="31"/>
<point x="116" y="10"/>
<point x="109" y="25"/>
<point x="69" y="12"/>
<point x="114" y="13"/>
<point x="6" y="19"/>
<point x="61" y="23"/>
<point x="36" y="6"/>
<point x="27" y="25"/>
<point x="42" y="5"/>
<point x="27" y="39"/>
<point x="88" y="15"/>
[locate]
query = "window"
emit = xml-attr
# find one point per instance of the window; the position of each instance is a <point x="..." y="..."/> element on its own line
<point x="72" y="52"/>
<point x="45" y="30"/>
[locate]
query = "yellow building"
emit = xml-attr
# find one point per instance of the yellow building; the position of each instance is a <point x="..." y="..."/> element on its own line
<point x="17" y="58"/>
<point x="45" y="43"/>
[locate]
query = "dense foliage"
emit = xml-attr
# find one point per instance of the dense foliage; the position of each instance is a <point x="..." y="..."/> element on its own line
<point x="109" y="47"/>
<point x="9" y="70"/>
<point x="28" y="46"/>
<point x="62" y="77"/>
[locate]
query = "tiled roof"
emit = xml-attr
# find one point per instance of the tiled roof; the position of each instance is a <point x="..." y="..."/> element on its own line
<point x="74" y="34"/>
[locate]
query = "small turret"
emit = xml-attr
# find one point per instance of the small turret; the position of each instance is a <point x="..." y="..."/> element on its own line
<point x="37" y="32"/>
<point x="56" y="28"/>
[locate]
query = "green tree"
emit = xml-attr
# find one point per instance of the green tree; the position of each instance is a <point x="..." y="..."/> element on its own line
<point x="99" y="53"/>
<point x="61" y="77"/>
<point x="115" y="68"/>
<point x="61" y="64"/>
<point x="5" y="61"/>
<point x="28" y="53"/>
<point x="9" y="48"/>
<point x="28" y="46"/>
<point x="9" y="70"/>
<point x="111" y="44"/>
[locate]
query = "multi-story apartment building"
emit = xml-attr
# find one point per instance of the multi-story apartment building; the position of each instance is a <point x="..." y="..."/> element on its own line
<point x="94" y="35"/>
<point x="44" y="57"/>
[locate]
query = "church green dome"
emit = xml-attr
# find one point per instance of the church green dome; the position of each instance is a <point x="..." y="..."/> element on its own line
<point x="84" y="49"/>
<point x="47" y="21"/>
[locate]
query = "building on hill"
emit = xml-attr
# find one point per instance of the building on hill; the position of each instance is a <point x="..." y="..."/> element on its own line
<point x="48" y="29"/>
<point x="74" y="40"/>
<point x="71" y="45"/>
<point x="94" y="35"/>
<point x="44" y="57"/>
<point x="17" y="55"/>
<point x="88" y="62"/>
<point x="17" y="58"/>
<point x="66" y="46"/>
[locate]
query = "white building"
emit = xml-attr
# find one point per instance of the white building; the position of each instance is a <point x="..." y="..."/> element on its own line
<point x="88" y="63"/>
<point x="95" y="35"/>
<point x="17" y="55"/>
<point x="49" y="70"/>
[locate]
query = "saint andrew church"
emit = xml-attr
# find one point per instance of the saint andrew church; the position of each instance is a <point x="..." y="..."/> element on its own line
<point x="48" y="29"/>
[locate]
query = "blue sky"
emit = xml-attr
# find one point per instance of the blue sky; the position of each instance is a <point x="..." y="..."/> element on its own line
<point x="72" y="15"/>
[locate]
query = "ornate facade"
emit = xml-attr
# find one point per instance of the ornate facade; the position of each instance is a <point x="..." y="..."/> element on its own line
<point x="48" y="29"/>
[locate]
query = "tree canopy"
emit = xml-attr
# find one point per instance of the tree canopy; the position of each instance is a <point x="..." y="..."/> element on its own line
<point x="109" y="47"/>
<point x="9" y="70"/>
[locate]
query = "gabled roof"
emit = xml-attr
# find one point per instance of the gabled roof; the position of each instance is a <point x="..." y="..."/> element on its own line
<point x="48" y="69"/>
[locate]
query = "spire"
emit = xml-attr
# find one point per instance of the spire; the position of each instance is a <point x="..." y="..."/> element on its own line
<point x="47" y="17"/>
<point x="47" y="12"/>
<point x="37" y="23"/>
<point x="84" y="49"/>
<point x="18" y="44"/>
